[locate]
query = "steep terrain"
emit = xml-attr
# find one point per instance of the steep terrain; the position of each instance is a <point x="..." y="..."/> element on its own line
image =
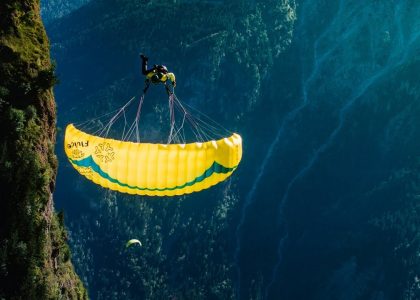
<point x="326" y="96"/>
<point x="55" y="9"/>
<point x="344" y="161"/>
<point x="34" y="256"/>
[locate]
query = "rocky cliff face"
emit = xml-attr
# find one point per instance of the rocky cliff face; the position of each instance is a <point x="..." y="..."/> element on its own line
<point x="34" y="257"/>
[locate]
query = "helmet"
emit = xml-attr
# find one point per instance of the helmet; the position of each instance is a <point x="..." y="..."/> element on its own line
<point x="163" y="69"/>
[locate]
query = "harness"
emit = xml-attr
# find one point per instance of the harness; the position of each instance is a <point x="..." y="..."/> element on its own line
<point x="157" y="75"/>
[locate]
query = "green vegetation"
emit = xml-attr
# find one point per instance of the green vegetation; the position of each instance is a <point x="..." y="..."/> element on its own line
<point x="352" y="218"/>
<point x="223" y="54"/>
<point x="54" y="9"/>
<point x="183" y="254"/>
<point x="399" y="227"/>
<point x="34" y="255"/>
<point x="235" y="42"/>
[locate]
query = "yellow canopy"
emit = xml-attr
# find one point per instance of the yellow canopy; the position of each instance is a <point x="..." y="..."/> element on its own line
<point x="152" y="169"/>
<point x="133" y="241"/>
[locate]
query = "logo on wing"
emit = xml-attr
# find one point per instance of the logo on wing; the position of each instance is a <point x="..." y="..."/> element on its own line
<point x="104" y="152"/>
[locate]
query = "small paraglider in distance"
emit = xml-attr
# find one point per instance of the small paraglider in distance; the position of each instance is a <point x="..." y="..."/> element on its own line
<point x="132" y="242"/>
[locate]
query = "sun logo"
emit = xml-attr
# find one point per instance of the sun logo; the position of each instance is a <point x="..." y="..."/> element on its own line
<point x="104" y="152"/>
<point x="77" y="154"/>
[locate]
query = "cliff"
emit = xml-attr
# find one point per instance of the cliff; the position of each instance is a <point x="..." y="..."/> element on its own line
<point x="34" y="256"/>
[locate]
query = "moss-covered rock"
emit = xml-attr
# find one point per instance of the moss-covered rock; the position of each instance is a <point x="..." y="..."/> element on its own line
<point x="34" y="256"/>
